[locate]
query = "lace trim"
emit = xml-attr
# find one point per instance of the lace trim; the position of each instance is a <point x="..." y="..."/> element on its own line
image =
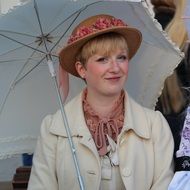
<point x="14" y="139"/>
<point x="12" y="146"/>
<point x="13" y="7"/>
<point x="170" y="68"/>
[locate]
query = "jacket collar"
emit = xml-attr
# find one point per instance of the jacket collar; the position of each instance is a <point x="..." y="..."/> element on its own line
<point x="75" y="119"/>
<point x="135" y="119"/>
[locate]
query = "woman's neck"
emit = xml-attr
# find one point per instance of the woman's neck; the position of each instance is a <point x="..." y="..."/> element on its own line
<point x="102" y="104"/>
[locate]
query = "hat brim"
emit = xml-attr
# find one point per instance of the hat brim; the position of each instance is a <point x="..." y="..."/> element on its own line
<point x="67" y="55"/>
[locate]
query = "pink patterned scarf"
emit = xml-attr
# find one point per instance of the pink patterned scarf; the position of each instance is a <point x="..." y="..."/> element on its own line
<point x="100" y="127"/>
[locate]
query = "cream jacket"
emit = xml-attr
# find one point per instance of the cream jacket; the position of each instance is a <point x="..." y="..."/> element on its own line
<point x="145" y="151"/>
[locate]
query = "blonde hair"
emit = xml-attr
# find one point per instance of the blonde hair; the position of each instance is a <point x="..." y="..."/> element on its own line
<point x="104" y="44"/>
<point x="176" y="28"/>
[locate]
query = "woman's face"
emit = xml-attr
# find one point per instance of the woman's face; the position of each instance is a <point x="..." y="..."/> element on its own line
<point x="105" y="74"/>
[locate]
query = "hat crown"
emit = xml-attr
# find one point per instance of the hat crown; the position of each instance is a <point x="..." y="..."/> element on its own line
<point x="91" y="20"/>
<point x="94" y="24"/>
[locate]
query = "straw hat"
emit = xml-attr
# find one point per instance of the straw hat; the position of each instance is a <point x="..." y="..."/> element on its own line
<point x="93" y="27"/>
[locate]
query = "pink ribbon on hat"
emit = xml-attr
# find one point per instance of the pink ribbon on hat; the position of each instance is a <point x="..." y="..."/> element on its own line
<point x="184" y="148"/>
<point x="63" y="81"/>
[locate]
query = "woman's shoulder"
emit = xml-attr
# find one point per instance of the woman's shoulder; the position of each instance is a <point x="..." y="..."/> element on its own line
<point x="73" y="103"/>
<point x="150" y="116"/>
<point x="158" y="123"/>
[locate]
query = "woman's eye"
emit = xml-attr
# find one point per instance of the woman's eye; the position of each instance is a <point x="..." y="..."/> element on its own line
<point x="102" y="59"/>
<point x="122" y="57"/>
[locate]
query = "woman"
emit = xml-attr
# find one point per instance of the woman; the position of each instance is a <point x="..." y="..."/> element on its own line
<point x="119" y="144"/>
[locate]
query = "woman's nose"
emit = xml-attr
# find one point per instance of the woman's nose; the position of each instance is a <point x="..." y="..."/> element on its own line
<point x="114" y="65"/>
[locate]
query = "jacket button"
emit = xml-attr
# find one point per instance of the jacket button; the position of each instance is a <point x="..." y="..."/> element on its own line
<point x="126" y="172"/>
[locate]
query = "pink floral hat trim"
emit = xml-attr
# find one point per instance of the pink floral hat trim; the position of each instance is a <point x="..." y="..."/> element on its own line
<point x="100" y="24"/>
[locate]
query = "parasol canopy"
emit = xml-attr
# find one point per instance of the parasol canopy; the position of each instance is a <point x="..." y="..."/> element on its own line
<point x="31" y="33"/>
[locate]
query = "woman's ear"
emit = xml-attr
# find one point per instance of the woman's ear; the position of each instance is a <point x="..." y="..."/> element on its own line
<point x="80" y="69"/>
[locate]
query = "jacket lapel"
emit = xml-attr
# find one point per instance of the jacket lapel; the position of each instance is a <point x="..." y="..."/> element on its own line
<point x="77" y="125"/>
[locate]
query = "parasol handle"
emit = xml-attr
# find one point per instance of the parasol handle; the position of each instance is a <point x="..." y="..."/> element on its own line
<point x="65" y="121"/>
